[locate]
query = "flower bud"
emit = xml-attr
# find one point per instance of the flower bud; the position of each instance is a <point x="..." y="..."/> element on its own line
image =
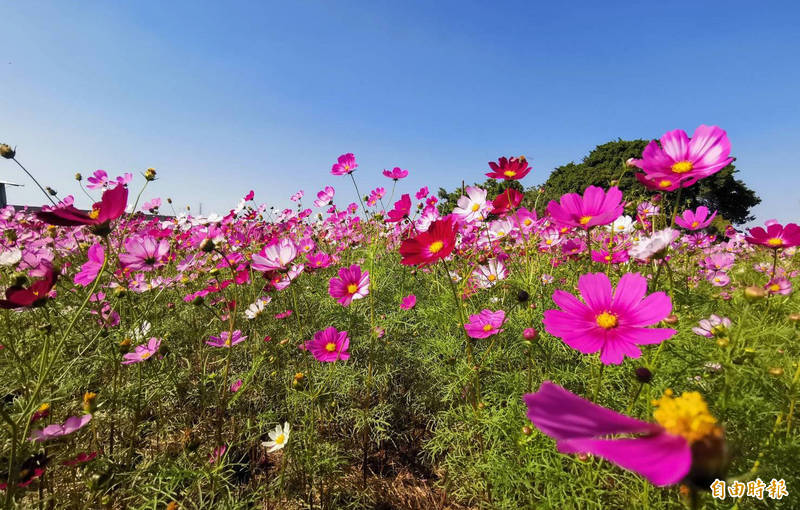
<point x="723" y="341"/>
<point x="671" y="319"/>
<point x="89" y="402"/>
<point x="629" y="162"/>
<point x="7" y="152"/>
<point x="754" y="293"/>
<point x="523" y="296"/>
<point x="794" y="317"/>
<point x="526" y="430"/>
<point x="643" y="375"/>
<point x="120" y="292"/>
<point x="78" y="177"/>
<point x="169" y="200"/>
<point x="776" y="371"/>
<point x="51" y="191"/>
<point x="207" y="245"/>
<point x="150" y="174"/>
<point x="481" y="405"/>
<point x="614" y="182"/>
<point x="530" y="334"/>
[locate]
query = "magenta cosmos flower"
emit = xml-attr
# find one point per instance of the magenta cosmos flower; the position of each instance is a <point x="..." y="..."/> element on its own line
<point x="396" y="173"/>
<point x="401" y="210"/>
<point x="276" y="256"/>
<point x="346" y="164"/>
<point x="142" y="352"/>
<point x="91" y="268"/>
<point x="144" y="253"/>
<point x="680" y="161"/>
<point x="110" y="207"/>
<point x="226" y="339"/>
<point x="596" y="207"/>
<point x="329" y="345"/>
<point x="55" y="430"/>
<point x="661" y="452"/>
<point x="485" y="324"/>
<point x="325" y="196"/>
<point x="775" y="236"/>
<point x="695" y="220"/>
<point x="408" y="302"/>
<point x="509" y="169"/>
<point x="613" y="324"/>
<point x="351" y="284"/>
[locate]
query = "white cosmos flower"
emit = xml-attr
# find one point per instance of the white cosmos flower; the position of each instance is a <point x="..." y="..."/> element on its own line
<point x="140" y="334"/>
<point x="622" y="225"/>
<point x="255" y="309"/>
<point x="654" y="244"/>
<point x="10" y="257"/>
<point x="278" y="438"/>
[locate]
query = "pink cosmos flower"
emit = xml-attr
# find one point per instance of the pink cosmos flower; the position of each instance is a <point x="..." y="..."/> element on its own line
<point x="351" y="284"/>
<point x="485" y="324"/>
<point x="408" y="302"/>
<point x="275" y="256"/>
<point x="152" y="206"/>
<point x="142" y="352"/>
<point x="472" y="206"/>
<point x="775" y="236"/>
<point x="89" y="270"/>
<point x="612" y="324"/>
<point x="329" y="345"/>
<point x="283" y="315"/>
<point x="695" y="220"/>
<point x="596" y="207"/>
<point x="655" y="245"/>
<point x="144" y="253"/>
<point x="237" y="384"/>
<point x="297" y="196"/>
<point x="779" y="286"/>
<point x="680" y="161"/>
<point x="401" y="210"/>
<point x="580" y="426"/>
<point x="81" y="458"/>
<point x="97" y="180"/>
<point x="72" y="424"/>
<point x="506" y="201"/>
<point x="318" y="260"/>
<point x="718" y="278"/>
<point x="488" y="275"/>
<point x="509" y="169"/>
<point x="422" y="193"/>
<point x="226" y="339"/>
<point x="325" y="196"/>
<point x="396" y="173"/>
<point x="713" y="326"/>
<point x="610" y="257"/>
<point x="346" y="164"/>
<point x="217" y="454"/>
<point x="375" y="195"/>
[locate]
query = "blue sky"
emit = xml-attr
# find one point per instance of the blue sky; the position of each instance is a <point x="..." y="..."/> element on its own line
<point x="226" y="97"/>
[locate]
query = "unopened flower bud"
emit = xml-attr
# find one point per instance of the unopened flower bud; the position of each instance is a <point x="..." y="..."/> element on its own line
<point x="150" y="174"/>
<point x="671" y="319"/>
<point x="89" y="402"/>
<point x="169" y="200"/>
<point x="6" y="151"/>
<point x="207" y="245"/>
<point x="614" y="182"/>
<point x="523" y="296"/>
<point x="723" y="341"/>
<point x="754" y="293"/>
<point x="629" y="162"/>
<point x="794" y="317"/>
<point x="527" y="430"/>
<point x="481" y="405"/>
<point x="776" y="371"/>
<point x="51" y="191"/>
<point x="643" y="375"/>
<point x="78" y="177"/>
<point x="530" y="334"/>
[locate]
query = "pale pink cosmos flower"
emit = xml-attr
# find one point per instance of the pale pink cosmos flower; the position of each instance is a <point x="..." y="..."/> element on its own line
<point x="325" y="196"/>
<point x="329" y="345"/>
<point x="142" y="352"/>
<point x="351" y="284"/>
<point x="473" y="206"/>
<point x="654" y="245"/>
<point x="226" y="339"/>
<point x="610" y="321"/>
<point x="408" y="302"/>
<point x="779" y="286"/>
<point x="91" y="268"/>
<point x="144" y="253"/>
<point x="488" y="275"/>
<point x="275" y="256"/>
<point x="713" y="326"/>
<point x="55" y="430"/>
<point x="97" y="180"/>
<point x="485" y="324"/>
<point x="297" y="196"/>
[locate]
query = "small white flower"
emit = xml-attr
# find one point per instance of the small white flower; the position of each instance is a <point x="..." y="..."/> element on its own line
<point x="140" y="334"/>
<point x="255" y="309"/>
<point x="278" y="437"/>
<point x="654" y="244"/>
<point x="10" y="257"/>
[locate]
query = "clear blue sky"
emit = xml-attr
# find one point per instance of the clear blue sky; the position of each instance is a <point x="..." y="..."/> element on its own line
<point x="222" y="97"/>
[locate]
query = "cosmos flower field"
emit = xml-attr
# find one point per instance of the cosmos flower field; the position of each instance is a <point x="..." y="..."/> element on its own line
<point x="598" y="351"/>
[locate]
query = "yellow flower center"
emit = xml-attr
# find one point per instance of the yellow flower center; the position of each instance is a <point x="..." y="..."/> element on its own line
<point x="475" y="207"/>
<point x="584" y="220"/>
<point x="681" y="167"/>
<point x="280" y="439"/>
<point x="145" y="354"/>
<point x="352" y="288"/>
<point x="510" y="173"/>
<point x="774" y="287"/>
<point x="487" y="327"/>
<point x="607" y="258"/>
<point x="491" y="278"/>
<point x="228" y="342"/>
<point x="686" y="416"/>
<point x="94" y="213"/>
<point x="548" y="241"/>
<point x="527" y="222"/>
<point x="664" y="183"/>
<point x="775" y="241"/>
<point x="606" y="320"/>
<point x="500" y="233"/>
<point x="347" y="167"/>
<point x="436" y="246"/>
<point x="694" y="224"/>
<point x="330" y="347"/>
<point x="44" y="407"/>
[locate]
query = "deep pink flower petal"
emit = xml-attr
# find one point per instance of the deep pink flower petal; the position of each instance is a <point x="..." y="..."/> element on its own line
<point x="595" y="289"/>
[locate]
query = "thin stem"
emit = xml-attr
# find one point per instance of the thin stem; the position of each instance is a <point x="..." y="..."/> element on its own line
<point x="358" y="193"/>
<point x="34" y="180"/>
